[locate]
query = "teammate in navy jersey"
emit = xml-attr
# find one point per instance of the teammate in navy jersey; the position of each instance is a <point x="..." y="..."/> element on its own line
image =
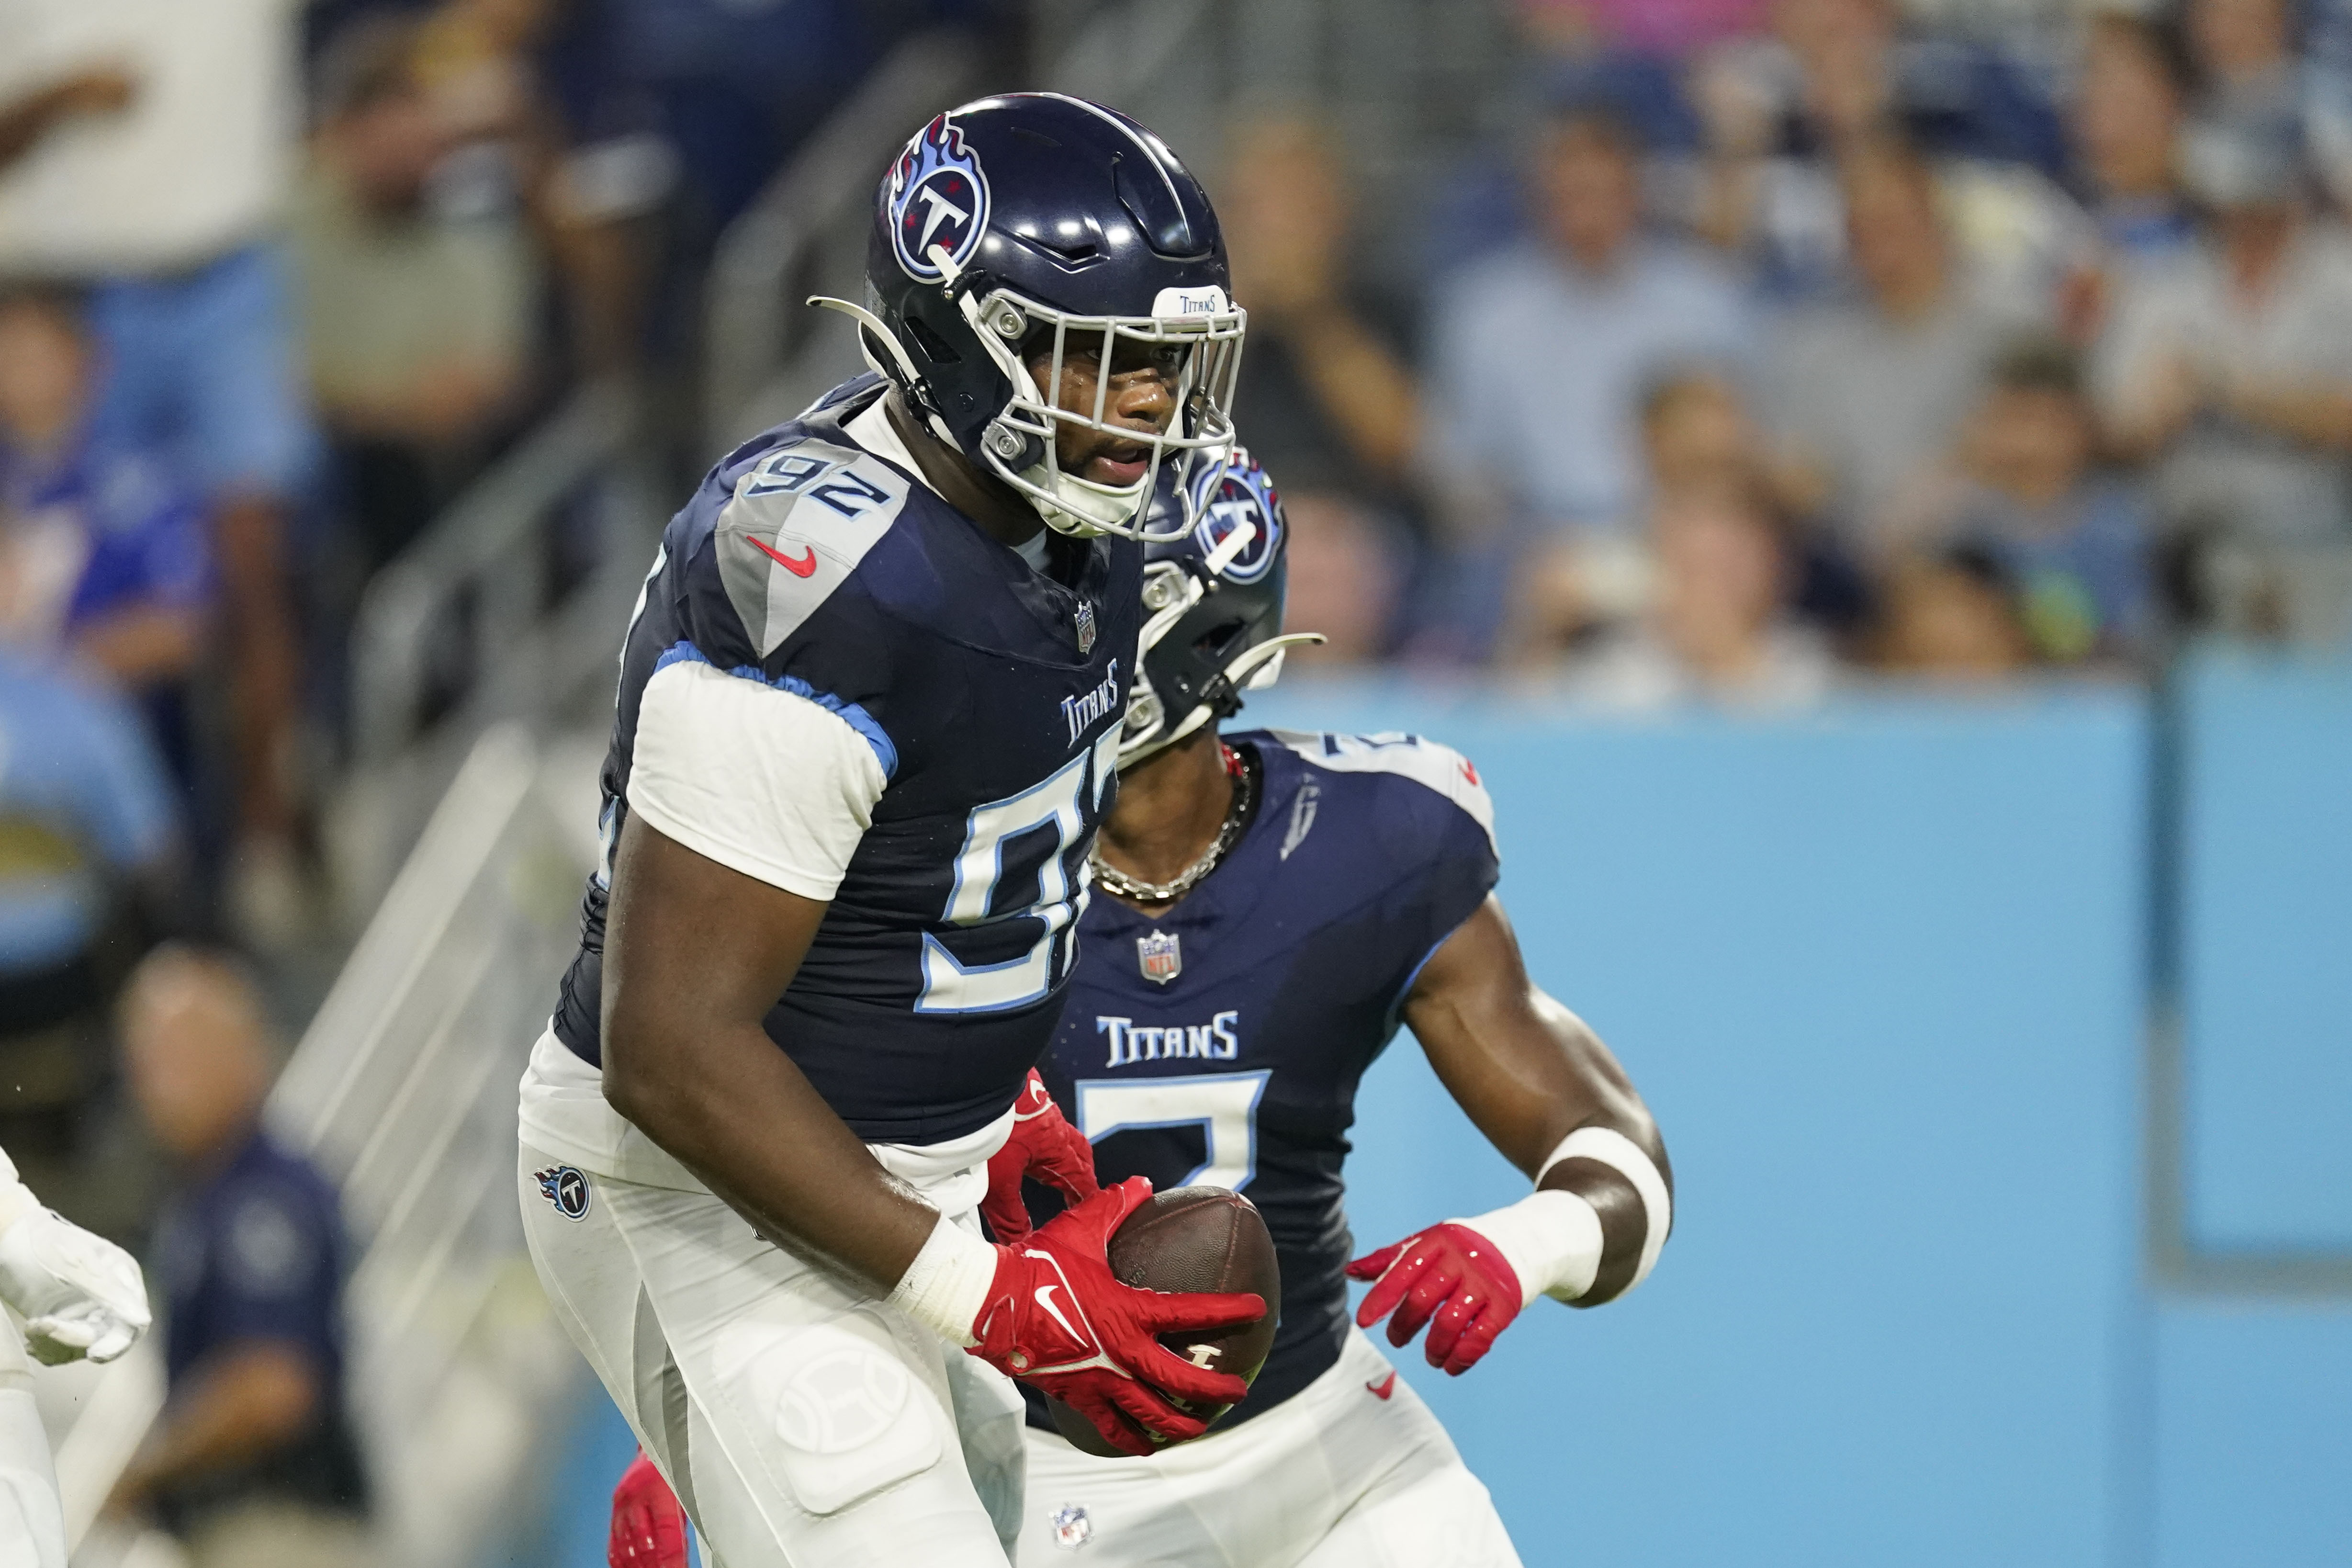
<point x="870" y="704"/>
<point x="1279" y="902"/>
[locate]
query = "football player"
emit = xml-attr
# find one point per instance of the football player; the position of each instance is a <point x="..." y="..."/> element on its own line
<point x="1279" y="903"/>
<point x="869" y="712"/>
<point x="77" y="1295"/>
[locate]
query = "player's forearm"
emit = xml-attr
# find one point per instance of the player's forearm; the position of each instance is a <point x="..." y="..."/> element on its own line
<point x="694" y="956"/>
<point x="1555" y="1101"/>
<point x="254" y="1398"/>
<point x="735" y="1110"/>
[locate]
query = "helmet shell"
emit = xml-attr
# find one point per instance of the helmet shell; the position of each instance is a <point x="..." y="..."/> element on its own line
<point x="1051" y="198"/>
<point x="1187" y="667"/>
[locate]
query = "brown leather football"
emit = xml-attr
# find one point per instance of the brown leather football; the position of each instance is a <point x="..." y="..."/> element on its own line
<point x="1194" y="1238"/>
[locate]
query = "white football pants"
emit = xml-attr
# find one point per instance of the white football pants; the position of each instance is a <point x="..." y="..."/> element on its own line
<point x="802" y="1422"/>
<point x="32" y="1524"/>
<point x="1352" y="1471"/>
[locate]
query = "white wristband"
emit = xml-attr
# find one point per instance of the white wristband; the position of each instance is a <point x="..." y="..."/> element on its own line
<point x="946" y="1286"/>
<point x="1629" y="1160"/>
<point x="16" y="1199"/>
<point x="1551" y="1241"/>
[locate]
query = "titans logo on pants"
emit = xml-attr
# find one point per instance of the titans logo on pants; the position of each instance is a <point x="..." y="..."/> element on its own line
<point x="939" y="197"/>
<point x="566" y="1188"/>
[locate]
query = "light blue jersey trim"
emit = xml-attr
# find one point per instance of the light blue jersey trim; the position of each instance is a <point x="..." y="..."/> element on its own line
<point x="850" y="714"/>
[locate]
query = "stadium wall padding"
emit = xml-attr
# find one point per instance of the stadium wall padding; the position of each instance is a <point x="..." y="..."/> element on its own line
<point x="2266" y="953"/>
<point x="1882" y="972"/>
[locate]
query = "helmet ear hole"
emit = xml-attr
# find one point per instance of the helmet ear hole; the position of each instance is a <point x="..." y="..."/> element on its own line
<point x="1213" y="644"/>
<point x="935" y="348"/>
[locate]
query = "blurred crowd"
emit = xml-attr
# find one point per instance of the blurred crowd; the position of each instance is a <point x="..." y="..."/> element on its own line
<point x="1800" y="337"/>
<point x="278" y="278"/>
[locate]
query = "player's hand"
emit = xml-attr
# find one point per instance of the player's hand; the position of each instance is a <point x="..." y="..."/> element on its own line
<point x="80" y="1295"/>
<point x="1045" y="1145"/>
<point x="1450" y="1278"/>
<point x="648" y="1526"/>
<point x="1056" y="1318"/>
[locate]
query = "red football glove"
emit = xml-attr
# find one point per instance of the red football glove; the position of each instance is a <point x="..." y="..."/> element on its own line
<point x="1045" y="1145"/>
<point x="1056" y="1318"/>
<point x="1451" y="1277"/>
<point x="649" y="1527"/>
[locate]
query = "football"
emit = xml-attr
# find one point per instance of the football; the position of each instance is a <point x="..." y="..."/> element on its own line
<point x="1194" y="1238"/>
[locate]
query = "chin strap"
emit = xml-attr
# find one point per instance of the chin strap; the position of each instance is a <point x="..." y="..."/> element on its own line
<point x="918" y="390"/>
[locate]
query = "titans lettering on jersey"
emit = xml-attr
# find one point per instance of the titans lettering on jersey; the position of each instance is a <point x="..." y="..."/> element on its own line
<point x="808" y="564"/>
<point x="1219" y="1039"/>
<point x="1284" y="975"/>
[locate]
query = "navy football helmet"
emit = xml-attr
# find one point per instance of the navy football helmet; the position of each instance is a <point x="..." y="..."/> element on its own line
<point x="1031" y="223"/>
<point x="1213" y="595"/>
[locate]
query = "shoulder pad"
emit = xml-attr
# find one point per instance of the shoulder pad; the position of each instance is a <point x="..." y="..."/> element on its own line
<point x="800" y="521"/>
<point x="1435" y="767"/>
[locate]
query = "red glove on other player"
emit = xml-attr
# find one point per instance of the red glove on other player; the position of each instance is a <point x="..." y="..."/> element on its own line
<point x="1045" y="1145"/>
<point x="649" y="1527"/>
<point x="1449" y="1277"/>
<point x="1058" y="1319"/>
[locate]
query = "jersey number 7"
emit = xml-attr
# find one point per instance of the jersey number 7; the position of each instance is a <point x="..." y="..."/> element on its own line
<point x="1222" y="1105"/>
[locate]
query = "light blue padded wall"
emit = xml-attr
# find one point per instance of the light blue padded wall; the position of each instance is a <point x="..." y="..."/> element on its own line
<point x="2266" y="961"/>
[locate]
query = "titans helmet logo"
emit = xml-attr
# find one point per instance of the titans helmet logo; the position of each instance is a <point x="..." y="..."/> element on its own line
<point x="1241" y="494"/>
<point x="938" y="197"/>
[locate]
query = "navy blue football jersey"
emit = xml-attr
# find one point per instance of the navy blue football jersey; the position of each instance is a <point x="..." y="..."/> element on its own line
<point x="1221" y="1040"/>
<point x="991" y="694"/>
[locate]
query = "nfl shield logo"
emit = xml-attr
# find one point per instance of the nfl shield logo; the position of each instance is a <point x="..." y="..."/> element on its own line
<point x="1072" y="1528"/>
<point x="1161" y="958"/>
<point x="1086" y="619"/>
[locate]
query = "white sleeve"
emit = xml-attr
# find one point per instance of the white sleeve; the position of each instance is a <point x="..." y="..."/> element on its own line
<point x="759" y="779"/>
<point x="16" y="1198"/>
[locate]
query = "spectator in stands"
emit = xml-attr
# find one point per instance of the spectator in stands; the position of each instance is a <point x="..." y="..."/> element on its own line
<point x="1697" y="442"/>
<point x="2230" y="368"/>
<point x="1656" y="28"/>
<point x="103" y="558"/>
<point x="164" y="208"/>
<point x="1780" y="110"/>
<point x="2244" y="52"/>
<point x="1326" y="397"/>
<point x="1951" y="616"/>
<point x="1541" y="352"/>
<point x="88" y="868"/>
<point x="30" y="110"/>
<point x="253" y="1460"/>
<point x="2071" y="547"/>
<point x="2129" y="97"/>
<point x="1716" y="628"/>
<point x="1873" y="388"/>
<point x="526" y="90"/>
<point x="416" y="323"/>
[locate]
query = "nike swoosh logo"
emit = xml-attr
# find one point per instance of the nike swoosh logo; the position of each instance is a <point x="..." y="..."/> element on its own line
<point x="1044" y="1300"/>
<point x="1383" y="1388"/>
<point x="806" y="566"/>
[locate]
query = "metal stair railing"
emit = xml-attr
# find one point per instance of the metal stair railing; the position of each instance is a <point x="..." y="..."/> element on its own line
<point x="491" y="546"/>
<point x="803" y="235"/>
